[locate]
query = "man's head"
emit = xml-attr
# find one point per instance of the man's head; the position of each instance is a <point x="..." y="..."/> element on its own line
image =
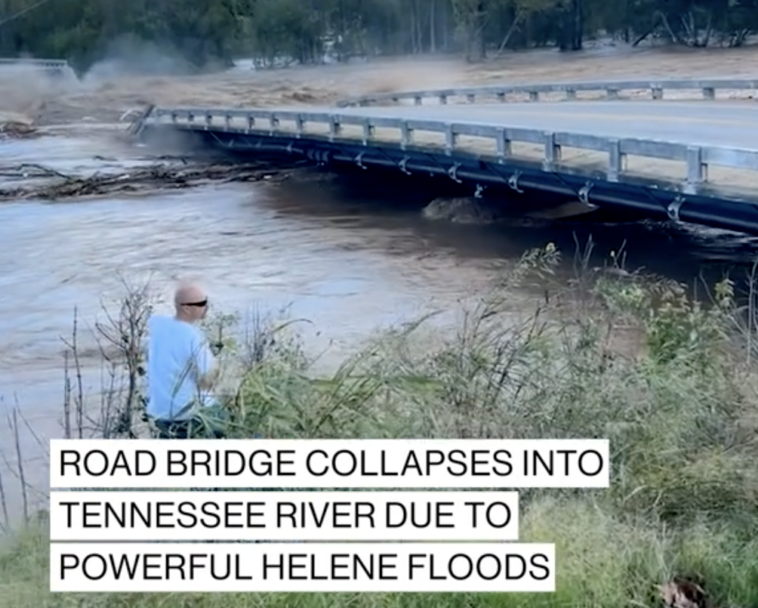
<point x="191" y="302"/>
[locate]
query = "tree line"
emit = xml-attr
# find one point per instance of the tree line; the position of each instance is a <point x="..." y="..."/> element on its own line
<point x="306" y="31"/>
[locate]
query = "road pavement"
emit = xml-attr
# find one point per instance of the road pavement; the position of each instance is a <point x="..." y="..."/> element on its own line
<point x="722" y="123"/>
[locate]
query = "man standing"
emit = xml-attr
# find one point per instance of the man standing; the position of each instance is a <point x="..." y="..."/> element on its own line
<point x="181" y="370"/>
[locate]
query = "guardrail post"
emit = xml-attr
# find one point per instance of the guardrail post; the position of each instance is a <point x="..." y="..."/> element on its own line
<point x="570" y="94"/>
<point x="417" y="100"/>
<point x="273" y="122"/>
<point x="190" y="117"/>
<point x="503" y="144"/>
<point x="552" y="152"/>
<point x="450" y="139"/>
<point x="227" y="122"/>
<point x="443" y="100"/>
<point x="299" y="125"/>
<point x="471" y="98"/>
<point x="534" y="96"/>
<point x="657" y="92"/>
<point x="335" y="128"/>
<point x="709" y="93"/>
<point x="406" y="135"/>
<point x="616" y="160"/>
<point x="250" y="122"/>
<point x="612" y="93"/>
<point x="208" y="120"/>
<point x="174" y="117"/>
<point x="368" y="131"/>
<point x="501" y="96"/>
<point x="696" y="169"/>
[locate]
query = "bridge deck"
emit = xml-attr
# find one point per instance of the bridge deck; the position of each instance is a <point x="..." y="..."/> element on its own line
<point x="733" y="124"/>
<point x="651" y="155"/>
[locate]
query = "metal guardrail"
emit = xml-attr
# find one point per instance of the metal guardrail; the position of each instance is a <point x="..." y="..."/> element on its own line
<point x="697" y="158"/>
<point x="610" y="89"/>
<point x="58" y="70"/>
<point x="43" y="63"/>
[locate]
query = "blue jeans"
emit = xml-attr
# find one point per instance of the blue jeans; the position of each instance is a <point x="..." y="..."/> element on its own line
<point x="210" y="423"/>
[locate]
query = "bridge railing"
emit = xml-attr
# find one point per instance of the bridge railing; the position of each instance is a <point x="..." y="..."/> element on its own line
<point x="46" y="63"/>
<point x="653" y="89"/>
<point x="612" y="159"/>
<point x="55" y="67"/>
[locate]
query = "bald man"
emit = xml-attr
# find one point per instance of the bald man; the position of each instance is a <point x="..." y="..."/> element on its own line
<point x="181" y="369"/>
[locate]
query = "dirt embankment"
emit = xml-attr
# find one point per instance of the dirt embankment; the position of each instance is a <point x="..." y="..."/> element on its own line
<point x="26" y="97"/>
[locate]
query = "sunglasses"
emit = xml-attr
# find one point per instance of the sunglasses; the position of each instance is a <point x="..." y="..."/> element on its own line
<point x="202" y="304"/>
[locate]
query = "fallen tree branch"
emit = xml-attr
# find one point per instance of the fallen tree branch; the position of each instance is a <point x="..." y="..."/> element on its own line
<point x="17" y="130"/>
<point x="144" y="179"/>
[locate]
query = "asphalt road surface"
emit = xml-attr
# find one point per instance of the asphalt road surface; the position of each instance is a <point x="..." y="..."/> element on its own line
<point x="722" y="123"/>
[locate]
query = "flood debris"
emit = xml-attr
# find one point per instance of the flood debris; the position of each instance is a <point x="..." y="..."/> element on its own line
<point x="13" y="129"/>
<point x="56" y="185"/>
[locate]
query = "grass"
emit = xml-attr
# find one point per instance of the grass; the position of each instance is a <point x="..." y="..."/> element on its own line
<point x="669" y="381"/>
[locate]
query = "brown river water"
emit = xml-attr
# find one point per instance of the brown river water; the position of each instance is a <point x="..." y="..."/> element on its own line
<point x="348" y="259"/>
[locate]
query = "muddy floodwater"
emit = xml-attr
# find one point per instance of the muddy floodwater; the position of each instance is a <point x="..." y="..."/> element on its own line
<point x="347" y="260"/>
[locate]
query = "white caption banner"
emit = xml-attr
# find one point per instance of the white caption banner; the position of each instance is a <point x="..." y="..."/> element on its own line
<point x="329" y="463"/>
<point x="283" y="516"/>
<point x="329" y="567"/>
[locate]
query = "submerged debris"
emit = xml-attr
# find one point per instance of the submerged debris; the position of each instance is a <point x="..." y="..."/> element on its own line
<point x="137" y="180"/>
<point x="13" y="129"/>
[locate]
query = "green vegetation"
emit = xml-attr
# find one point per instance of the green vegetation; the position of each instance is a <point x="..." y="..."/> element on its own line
<point x="670" y="382"/>
<point x="205" y="32"/>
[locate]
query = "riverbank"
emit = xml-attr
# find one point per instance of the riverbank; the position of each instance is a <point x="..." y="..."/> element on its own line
<point x="670" y="383"/>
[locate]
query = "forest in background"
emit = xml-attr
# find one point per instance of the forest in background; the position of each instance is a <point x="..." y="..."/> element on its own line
<point x="208" y="33"/>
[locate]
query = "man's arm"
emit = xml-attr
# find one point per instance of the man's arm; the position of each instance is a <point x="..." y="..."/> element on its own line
<point x="206" y="367"/>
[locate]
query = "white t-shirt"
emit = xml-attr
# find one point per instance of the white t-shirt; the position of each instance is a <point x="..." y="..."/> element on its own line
<point x="176" y="352"/>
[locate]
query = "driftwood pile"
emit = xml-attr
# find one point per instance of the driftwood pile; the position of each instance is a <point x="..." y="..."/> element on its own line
<point x="17" y="130"/>
<point x="56" y="185"/>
